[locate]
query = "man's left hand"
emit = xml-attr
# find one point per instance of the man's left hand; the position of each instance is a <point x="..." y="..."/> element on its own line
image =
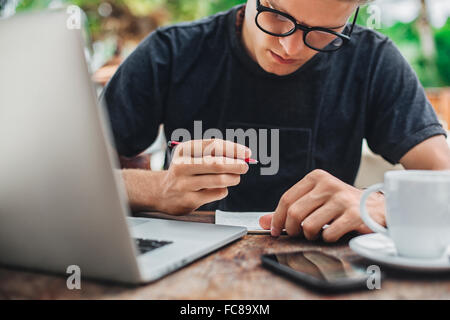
<point x="320" y="199"/>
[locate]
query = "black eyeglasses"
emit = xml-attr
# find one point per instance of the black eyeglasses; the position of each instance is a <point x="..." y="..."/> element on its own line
<point x="280" y="24"/>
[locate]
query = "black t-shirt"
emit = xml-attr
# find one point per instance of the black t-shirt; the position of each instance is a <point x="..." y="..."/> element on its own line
<point x="201" y="71"/>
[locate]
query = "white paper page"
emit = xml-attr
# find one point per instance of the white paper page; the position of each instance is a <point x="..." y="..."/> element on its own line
<point x="250" y="220"/>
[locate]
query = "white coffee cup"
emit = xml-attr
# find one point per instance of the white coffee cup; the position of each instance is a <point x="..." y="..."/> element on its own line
<point x="417" y="211"/>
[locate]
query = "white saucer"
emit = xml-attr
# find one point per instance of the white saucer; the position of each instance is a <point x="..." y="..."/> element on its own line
<point x="381" y="249"/>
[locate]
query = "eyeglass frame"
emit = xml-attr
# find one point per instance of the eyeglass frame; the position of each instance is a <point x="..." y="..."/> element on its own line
<point x="345" y="38"/>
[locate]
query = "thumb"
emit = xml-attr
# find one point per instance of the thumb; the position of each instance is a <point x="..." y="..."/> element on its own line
<point x="266" y="221"/>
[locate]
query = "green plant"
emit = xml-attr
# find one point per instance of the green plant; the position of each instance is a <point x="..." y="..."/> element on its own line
<point x="442" y="37"/>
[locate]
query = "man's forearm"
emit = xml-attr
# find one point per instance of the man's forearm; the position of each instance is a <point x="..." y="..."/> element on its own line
<point x="142" y="188"/>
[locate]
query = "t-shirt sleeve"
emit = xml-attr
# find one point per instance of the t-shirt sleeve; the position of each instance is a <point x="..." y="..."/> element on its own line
<point x="399" y="114"/>
<point x="135" y="96"/>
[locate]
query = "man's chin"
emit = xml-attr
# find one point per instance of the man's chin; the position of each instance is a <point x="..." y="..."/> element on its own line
<point x="281" y="70"/>
<point x="278" y="68"/>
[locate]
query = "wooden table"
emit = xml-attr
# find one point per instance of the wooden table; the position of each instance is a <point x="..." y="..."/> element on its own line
<point x="233" y="272"/>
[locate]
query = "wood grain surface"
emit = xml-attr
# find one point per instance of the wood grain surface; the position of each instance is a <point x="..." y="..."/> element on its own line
<point x="233" y="272"/>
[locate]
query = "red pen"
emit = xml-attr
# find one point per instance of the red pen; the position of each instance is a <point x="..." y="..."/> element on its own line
<point x="172" y="144"/>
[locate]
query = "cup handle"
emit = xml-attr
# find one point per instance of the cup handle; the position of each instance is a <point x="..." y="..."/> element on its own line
<point x="374" y="226"/>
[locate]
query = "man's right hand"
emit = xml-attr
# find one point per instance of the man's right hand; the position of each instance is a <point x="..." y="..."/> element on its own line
<point x="200" y="173"/>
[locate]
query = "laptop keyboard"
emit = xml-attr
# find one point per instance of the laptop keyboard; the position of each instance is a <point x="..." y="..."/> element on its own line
<point x="146" y="245"/>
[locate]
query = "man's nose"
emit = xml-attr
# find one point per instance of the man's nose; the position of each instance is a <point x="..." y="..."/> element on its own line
<point x="293" y="44"/>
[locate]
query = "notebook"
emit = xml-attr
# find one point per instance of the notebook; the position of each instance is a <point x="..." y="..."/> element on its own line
<point x="250" y="220"/>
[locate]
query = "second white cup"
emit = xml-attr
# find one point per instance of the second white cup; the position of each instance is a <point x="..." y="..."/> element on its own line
<point x="417" y="211"/>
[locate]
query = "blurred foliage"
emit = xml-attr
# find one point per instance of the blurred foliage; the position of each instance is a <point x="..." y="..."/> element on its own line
<point x="431" y="73"/>
<point x="135" y="18"/>
<point x="442" y="37"/>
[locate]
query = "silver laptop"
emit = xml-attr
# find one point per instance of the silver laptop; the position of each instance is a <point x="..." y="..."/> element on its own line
<point x="62" y="200"/>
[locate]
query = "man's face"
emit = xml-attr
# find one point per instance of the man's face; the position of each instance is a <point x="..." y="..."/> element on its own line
<point x="284" y="55"/>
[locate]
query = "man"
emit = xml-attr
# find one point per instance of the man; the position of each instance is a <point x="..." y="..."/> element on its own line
<point x="296" y="66"/>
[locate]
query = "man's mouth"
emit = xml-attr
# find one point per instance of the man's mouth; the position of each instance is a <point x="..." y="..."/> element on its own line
<point x="280" y="59"/>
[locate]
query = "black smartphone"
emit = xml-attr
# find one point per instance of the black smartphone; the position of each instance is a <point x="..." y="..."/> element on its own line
<point x="317" y="270"/>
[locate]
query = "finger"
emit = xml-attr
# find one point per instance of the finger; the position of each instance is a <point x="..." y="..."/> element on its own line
<point x="228" y="149"/>
<point x="218" y="165"/>
<point x="293" y="224"/>
<point x="210" y="195"/>
<point x="300" y="209"/>
<point x="338" y="228"/>
<point x="265" y="221"/>
<point x="191" y="149"/>
<point x="184" y="166"/>
<point x="213" y="181"/>
<point x="213" y="147"/>
<point x="289" y="197"/>
<point x="278" y="220"/>
<point x="314" y="223"/>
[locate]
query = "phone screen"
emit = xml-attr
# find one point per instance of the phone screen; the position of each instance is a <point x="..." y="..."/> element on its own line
<point x="319" y="265"/>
